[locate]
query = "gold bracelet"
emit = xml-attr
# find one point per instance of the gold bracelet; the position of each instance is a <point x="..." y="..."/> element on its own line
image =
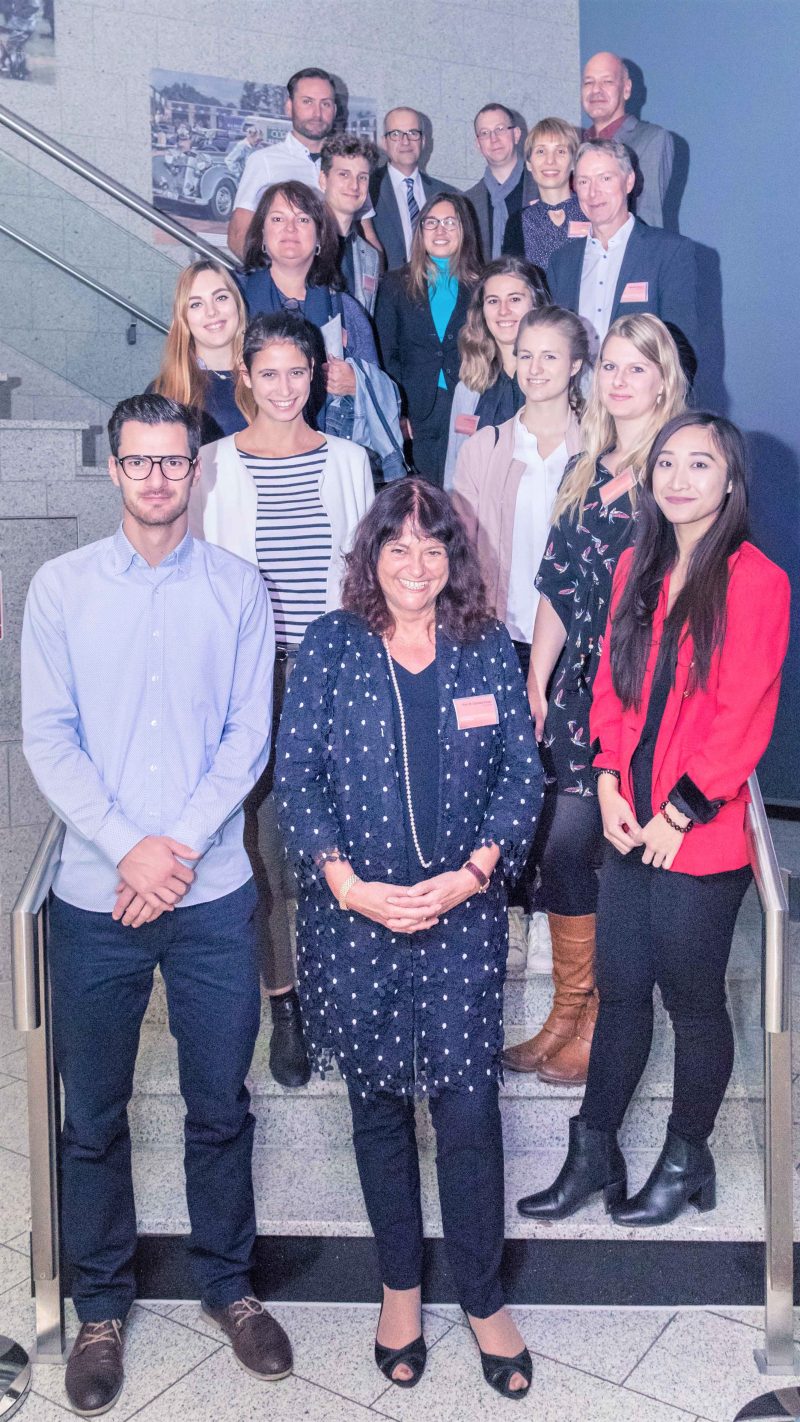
<point x="345" y="890"/>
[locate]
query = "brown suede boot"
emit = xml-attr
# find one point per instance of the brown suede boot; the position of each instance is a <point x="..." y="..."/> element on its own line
<point x="570" y="1066"/>
<point x="573" y="979"/>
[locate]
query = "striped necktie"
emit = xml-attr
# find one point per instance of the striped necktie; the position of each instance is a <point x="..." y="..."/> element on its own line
<point x="413" y="205"/>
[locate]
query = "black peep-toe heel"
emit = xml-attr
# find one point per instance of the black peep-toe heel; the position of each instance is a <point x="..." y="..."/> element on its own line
<point x="498" y="1370"/>
<point x="414" y="1356"/>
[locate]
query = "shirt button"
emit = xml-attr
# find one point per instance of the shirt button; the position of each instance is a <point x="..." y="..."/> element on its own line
<point x="155" y="634"/>
<point x="154" y="767"/>
<point x="154" y="723"/>
<point x="154" y="677"/>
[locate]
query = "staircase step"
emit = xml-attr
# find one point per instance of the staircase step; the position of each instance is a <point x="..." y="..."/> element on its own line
<point x="532" y="1111"/>
<point x="309" y="1192"/>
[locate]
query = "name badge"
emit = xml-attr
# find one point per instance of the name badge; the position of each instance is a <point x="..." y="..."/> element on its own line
<point x="635" y="291"/>
<point x="473" y="711"/>
<point x="579" y="229"/>
<point x="616" y="487"/>
<point x="465" y="424"/>
<point x="369" y="283"/>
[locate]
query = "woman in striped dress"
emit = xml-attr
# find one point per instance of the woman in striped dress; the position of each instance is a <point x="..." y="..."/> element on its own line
<point x="287" y="498"/>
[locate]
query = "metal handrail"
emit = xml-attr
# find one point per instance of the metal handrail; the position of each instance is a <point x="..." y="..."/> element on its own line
<point x="112" y="188"/>
<point x="84" y="277"/>
<point x="779" y="1355"/>
<point x="31" y="1007"/>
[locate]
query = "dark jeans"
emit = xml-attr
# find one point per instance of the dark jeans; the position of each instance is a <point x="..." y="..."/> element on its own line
<point x="266" y="848"/>
<point x="469" y="1166"/>
<point x="102" y="975"/>
<point x="569" y="847"/>
<point x="675" y="931"/>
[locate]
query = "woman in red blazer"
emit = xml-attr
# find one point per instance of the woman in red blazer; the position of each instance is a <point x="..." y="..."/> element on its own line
<point x="684" y="704"/>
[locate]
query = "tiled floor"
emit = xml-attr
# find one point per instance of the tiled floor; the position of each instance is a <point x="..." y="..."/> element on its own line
<point x="607" y="1365"/>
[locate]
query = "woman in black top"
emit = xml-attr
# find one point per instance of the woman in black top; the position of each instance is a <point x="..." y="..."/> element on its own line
<point x="410" y="786"/>
<point x="420" y="311"/>
<point x="203" y="349"/>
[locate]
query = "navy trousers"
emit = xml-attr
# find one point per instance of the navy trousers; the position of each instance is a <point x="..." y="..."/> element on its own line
<point x="469" y="1167"/>
<point x="102" y="976"/>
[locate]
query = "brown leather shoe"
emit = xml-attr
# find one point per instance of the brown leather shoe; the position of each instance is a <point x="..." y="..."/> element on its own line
<point x="259" y="1343"/>
<point x="570" y="1066"/>
<point x="573" y="940"/>
<point x="94" y="1374"/>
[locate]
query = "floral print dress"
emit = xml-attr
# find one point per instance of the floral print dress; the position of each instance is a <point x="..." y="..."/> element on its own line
<point x="575" y="576"/>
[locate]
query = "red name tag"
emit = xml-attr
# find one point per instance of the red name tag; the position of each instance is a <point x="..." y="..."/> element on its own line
<point x="635" y="291"/>
<point x="472" y="711"/>
<point x="369" y="283"/>
<point x="579" y="229"/>
<point x="617" y="486"/>
<point x="465" y="424"/>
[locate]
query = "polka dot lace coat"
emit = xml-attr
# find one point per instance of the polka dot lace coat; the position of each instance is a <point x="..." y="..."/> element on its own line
<point x="402" y="1013"/>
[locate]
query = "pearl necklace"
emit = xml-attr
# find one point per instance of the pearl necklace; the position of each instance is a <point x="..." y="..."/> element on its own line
<point x="426" y="863"/>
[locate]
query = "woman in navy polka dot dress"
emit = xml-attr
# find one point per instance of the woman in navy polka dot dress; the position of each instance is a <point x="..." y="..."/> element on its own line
<point x="410" y="787"/>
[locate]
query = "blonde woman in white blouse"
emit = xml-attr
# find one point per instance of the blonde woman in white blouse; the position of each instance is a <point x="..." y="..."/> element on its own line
<point x="283" y="496"/>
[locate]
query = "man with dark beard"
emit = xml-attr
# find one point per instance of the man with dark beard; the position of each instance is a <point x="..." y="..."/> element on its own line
<point x="147" y="692"/>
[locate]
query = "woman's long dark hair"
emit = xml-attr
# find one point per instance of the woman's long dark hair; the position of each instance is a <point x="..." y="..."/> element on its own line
<point x="462" y="607"/>
<point x="699" y="609"/>
<point x="465" y="264"/>
<point x="324" y="269"/>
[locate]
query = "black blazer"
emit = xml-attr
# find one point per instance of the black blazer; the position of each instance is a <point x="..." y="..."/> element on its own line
<point x="665" y="262"/>
<point x="478" y="197"/>
<point x="410" y="349"/>
<point x="386" y="221"/>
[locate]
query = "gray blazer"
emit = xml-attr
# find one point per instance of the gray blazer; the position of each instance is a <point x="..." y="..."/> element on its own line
<point x="387" y="222"/>
<point x="481" y="206"/>
<point x="654" y="149"/>
<point x="367" y="267"/>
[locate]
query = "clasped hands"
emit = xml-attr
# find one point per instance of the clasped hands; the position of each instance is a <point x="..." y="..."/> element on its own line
<point x="661" y="842"/>
<point x="407" y="910"/>
<point x="152" y="879"/>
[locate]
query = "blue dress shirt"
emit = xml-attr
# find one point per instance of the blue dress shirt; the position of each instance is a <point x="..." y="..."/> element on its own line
<point x="146" y="707"/>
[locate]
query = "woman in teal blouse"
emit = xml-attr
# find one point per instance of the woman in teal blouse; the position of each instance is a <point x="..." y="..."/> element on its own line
<point x="420" y="311"/>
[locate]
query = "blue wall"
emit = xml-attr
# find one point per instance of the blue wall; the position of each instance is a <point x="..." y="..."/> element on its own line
<point x="722" y="75"/>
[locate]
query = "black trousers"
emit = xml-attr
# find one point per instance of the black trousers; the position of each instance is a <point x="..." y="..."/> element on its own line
<point x="569" y="848"/>
<point x="675" y="931"/>
<point x="429" y="445"/>
<point x="469" y="1166"/>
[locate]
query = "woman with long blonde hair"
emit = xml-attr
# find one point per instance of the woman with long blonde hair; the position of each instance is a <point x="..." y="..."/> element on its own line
<point x="638" y="385"/>
<point x="203" y="350"/>
<point x="487" y="393"/>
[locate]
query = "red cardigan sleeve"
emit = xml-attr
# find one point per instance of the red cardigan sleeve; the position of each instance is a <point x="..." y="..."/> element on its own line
<point x="748" y="684"/>
<point x="605" y="716"/>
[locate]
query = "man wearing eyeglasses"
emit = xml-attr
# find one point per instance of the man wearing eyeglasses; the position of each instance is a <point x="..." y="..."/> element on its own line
<point x="146" y="708"/>
<point x="399" y="191"/>
<point x="506" y="186"/>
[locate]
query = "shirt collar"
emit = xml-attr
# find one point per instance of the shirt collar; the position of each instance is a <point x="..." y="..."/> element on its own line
<point x="299" y="148"/>
<point x="610" y="129"/>
<point x="123" y="554"/>
<point x="621" y="235"/>
<point x="398" y="178"/>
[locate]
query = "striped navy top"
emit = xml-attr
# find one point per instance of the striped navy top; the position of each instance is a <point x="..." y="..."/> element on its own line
<point x="293" y="538"/>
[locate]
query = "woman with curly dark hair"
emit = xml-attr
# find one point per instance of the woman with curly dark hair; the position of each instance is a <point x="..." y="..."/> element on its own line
<point x="409" y="785"/>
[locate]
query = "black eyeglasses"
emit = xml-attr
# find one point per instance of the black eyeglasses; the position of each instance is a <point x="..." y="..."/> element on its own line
<point x="398" y="133"/>
<point x="140" y="466"/>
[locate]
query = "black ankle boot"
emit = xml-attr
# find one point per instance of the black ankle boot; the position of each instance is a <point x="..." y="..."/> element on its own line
<point x="594" y="1162"/>
<point x="683" y="1174"/>
<point x="288" y="1059"/>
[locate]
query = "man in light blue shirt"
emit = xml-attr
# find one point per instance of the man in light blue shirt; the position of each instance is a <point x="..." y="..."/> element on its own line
<point x="147" y="664"/>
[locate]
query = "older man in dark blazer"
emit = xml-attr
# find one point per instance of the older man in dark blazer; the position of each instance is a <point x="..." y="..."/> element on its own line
<point x="400" y="190"/>
<point x="619" y="266"/>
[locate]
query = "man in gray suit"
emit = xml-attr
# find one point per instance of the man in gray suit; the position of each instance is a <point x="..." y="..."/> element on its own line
<point x="399" y="191"/>
<point x="605" y="89"/>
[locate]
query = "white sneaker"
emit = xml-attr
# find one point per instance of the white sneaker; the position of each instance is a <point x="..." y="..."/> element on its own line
<point x="517" y="943"/>
<point x="540" y="948"/>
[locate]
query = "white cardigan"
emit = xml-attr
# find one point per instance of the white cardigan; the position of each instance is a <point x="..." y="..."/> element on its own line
<point x="224" y="502"/>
